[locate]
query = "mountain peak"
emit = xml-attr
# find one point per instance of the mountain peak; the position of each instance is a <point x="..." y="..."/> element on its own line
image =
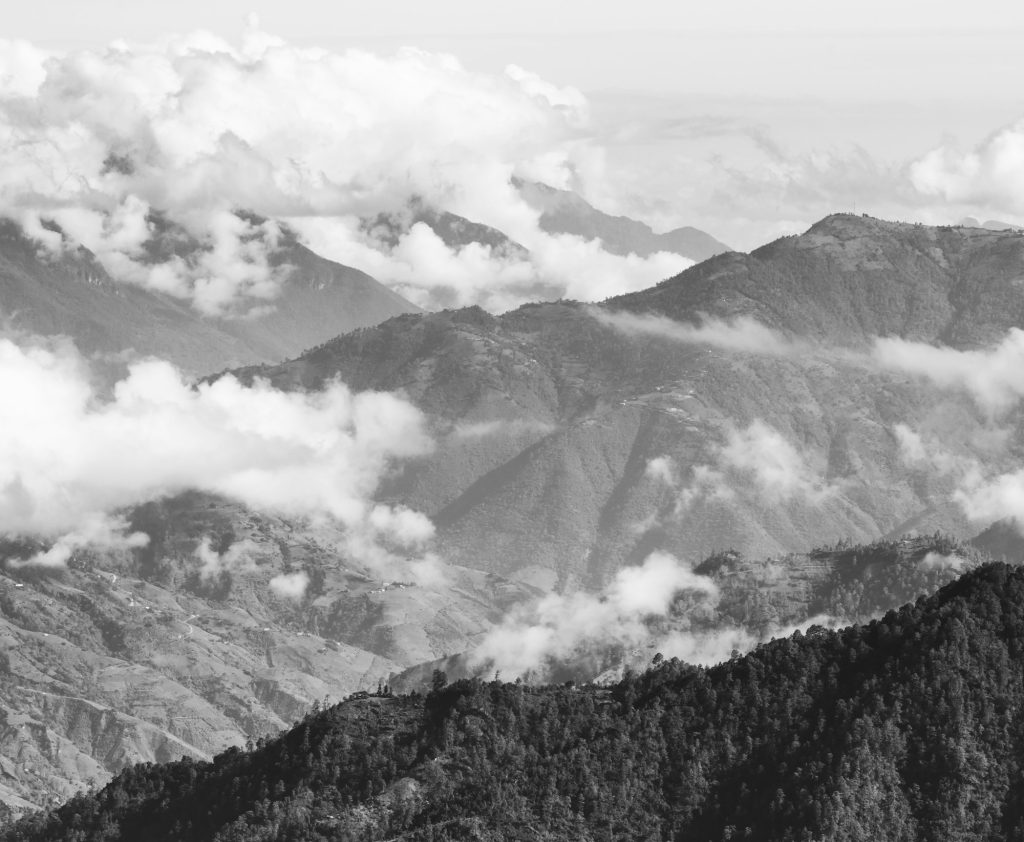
<point x="851" y="277"/>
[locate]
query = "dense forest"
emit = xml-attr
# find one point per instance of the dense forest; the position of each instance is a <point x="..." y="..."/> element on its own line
<point x="908" y="728"/>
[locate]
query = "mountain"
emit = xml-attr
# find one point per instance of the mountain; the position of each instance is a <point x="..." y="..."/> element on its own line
<point x="184" y="647"/>
<point x="72" y="295"/>
<point x="851" y="278"/>
<point x="454" y="231"/>
<point x="565" y="212"/>
<point x="573" y="441"/>
<point x="904" y="729"/>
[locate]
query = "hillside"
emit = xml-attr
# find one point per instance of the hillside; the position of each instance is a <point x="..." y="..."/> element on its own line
<point x="572" y="442"/>
<point x="73" y="295"/>
<point x="756" y="599"/>
<point x="850" y="278"/>
<point x="171" y="650"/>
<point x="565" y="212"/>
<point x="903" y="729"/>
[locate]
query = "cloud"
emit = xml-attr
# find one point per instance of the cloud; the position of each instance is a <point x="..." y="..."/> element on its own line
<point x="990" y="175"/>
<point x="994" y="377"/>
<point x="70" y="456"/>
<point x="937" y="562"/>
<point x="196" y="128"/>
<point x="755" y="457"/>
<point x="988" y="499"/>
<point x="431" y="274"/>
<point x="561" y="626"/>
<point x="778" y="470"/>
<point x="663" y="470"/>
<point x="95" y="530"/>
<point x="743" y="334"/>
<point x="486" y="429"/>
<point x="235" y="559"/>
<point x="706" y="483"/>
<point x="290" y="585"/>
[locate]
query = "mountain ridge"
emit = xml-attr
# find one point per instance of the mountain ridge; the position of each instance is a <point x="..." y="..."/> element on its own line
<point x="73" y="295"/>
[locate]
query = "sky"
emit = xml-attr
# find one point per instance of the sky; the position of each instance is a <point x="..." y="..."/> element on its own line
<point x="746" y="119"/>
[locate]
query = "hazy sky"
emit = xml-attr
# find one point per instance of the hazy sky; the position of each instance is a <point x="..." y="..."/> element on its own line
<point x="804" y="107"/>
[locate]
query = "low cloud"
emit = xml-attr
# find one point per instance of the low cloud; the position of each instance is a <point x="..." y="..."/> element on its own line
<point x="755" y="457"/>
<point x="290" y="585"/>
<point x="432" y="274"/>
<point x="560" y="626"/>
<point x="663" y="470"/>
<point x="94" y="530"/>
<point x="937" y="562"/>
<point x="988" y="499"/>
<point x="994" y="377"/>
<point x="238" y="558"/>
<point x="71" y="456"/>
<point x="713" y="646"/>
<point x="486" y="429"/>
<point x="762" y="454"/>
<point x="743" y="334"/>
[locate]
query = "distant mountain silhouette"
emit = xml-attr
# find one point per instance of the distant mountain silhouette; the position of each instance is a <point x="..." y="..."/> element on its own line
<point x="565" y="212"/>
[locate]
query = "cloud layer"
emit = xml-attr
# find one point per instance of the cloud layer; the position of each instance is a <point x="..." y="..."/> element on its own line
<point x="115" y="144"/>
<point x="70" y="456"/>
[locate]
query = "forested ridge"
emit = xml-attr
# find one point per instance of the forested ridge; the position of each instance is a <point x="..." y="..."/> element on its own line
<point x="908" y="728"/>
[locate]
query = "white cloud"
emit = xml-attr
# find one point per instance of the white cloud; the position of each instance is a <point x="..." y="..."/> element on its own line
<point x="429" y="273"/>
<point x="559" y="626"/>
<point x="663" y="470"/>
<point x="937" y="562"/>
<point x="235" y="559"/>
<point x="755" y="457"/>
<point x="776" y="467"/>
<point x="70" y="455"/>
<point x="988" y="499"/>
<point x="197" y="128"/>
<point x="990" y="175"/>
<point x="290" y="585"/>
<point x="994" y="377"/>
<point x="706" y="483"/>
<point x="95" y="530"/>
<point x="743" y="334"/>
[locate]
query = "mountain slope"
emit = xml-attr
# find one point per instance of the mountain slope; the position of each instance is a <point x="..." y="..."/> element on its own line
<point x="571" y="443"/>
<point x="176" y="649"/>
<point x="904" y="729"/>
<point x="72" y="295"/>
<point x="850" y="278"/>
<point x="564" y="212"/>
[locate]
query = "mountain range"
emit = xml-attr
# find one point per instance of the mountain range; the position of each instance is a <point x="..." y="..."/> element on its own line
<point x="572" y="442"/>
<point x="573" y="439"/>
